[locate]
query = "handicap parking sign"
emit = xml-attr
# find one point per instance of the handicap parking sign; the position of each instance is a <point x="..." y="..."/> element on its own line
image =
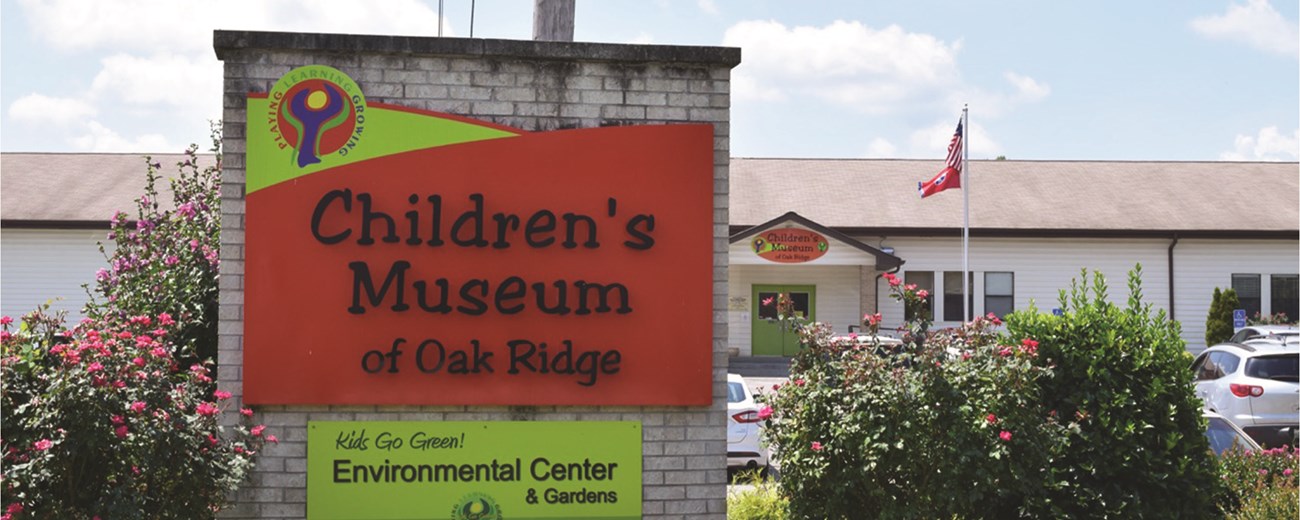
<point x="1238" y="318"/>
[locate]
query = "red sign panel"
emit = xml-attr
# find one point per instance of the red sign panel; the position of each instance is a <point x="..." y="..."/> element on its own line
<point x="558" y="268"/>
<point x="790" y="246"/>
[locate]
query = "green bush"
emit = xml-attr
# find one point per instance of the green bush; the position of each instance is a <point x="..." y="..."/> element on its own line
<point x="762" y="501"/>
<point x="1218" y="323"/>
<point x="947" y="428"/>
<point x="1139" y="450"/>
<point x="1261" y="484"/>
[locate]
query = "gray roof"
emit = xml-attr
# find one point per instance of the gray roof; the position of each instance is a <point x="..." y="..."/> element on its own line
<point x="849" y="194"/>
<point x="1106" y="196"/>
<point x="78" y="188"/>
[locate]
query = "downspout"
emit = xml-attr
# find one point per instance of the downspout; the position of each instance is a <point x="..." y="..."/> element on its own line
<point x="878" y="276"/>
<point x="1171" y="276"/>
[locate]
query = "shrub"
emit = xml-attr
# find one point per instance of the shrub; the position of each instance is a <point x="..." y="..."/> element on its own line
<point x="1279" y="318"/>
<point x="945" y="428"/>
<point x="1139" y="450"/>
<point x="1261" y="484"/>
<point x="1218" y="324"/>
<point x="166" y="260"/>
<point x="762" y="501"/>
<point x="103" y="421"/>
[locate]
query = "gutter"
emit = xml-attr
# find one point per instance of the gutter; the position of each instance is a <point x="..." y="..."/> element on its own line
<point x="1171" y="276"/>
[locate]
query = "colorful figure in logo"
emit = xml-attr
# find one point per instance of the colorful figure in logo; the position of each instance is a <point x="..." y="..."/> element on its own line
<point x="313" y="112"/>
<point x="760" y="245"/>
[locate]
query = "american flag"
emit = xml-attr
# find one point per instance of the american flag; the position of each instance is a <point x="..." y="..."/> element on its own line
<point x="950" y="176"/>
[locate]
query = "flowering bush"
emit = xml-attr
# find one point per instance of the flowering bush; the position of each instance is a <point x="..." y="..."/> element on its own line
<point x="949" y="427"/>
<point x="105" y="421"/>
<point x="1261" y="484"/>
<point x="1279" y="318"/>
<point x="166" y="260"/>
<point x="1086" y="415"/>
<point x="119" y="417"/>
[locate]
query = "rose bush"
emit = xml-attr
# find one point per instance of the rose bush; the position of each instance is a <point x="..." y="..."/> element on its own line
<point x="1085" y="415"/>
<point x="119" y="416"/>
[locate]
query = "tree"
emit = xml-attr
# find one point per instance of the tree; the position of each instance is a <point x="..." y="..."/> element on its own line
<point x="1218" y="323"/>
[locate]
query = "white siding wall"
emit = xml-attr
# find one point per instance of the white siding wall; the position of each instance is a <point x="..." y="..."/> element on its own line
<point x="837" y="295"/>
<point x="37" y="265"/>
<point x="1202" y="265"/>
<point x="1042" y="268"/>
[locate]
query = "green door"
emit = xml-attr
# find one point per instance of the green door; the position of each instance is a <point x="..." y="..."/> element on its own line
<point x="768" y="337"/>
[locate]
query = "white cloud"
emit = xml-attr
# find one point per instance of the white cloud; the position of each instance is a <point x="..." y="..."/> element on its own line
<point x="1268" y="145"/>
<point x="186" y="25"/>
<point x="872" y="70"/>
<point x="881" y="148"/>
<point x="932" y="141"/>
<point x="1256" y="24"/>
<point x="708" y="6"/>
<point x="161" y="79"/>
<point x="99" y="138"/>
<point x="748" y="88"/>
<point x="1027" y="88"/>
<point x="39" y="108"/>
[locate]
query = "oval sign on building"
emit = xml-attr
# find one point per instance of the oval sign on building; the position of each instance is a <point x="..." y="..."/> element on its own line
<point x="790" y="245"/>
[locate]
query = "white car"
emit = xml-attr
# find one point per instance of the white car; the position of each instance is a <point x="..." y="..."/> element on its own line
<point x="1264" y="332"/>
<point x="1225" y="436"/>
<point x="744" y="448"/>
<point x="1256" y="385"/>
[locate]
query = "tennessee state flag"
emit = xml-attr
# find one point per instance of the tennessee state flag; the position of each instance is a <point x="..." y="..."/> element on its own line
<point x="950" y="176"/>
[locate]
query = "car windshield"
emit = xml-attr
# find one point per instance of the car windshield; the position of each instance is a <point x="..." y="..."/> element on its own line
<point x="735" y="392"/>
<point x="1222" y="437"/>
<point x="1280" y="367"/>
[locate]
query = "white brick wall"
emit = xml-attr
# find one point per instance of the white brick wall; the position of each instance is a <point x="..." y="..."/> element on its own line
<point x="683" y="448"/>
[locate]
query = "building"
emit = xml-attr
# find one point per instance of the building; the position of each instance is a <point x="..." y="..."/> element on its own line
<point x="1192" y="226"/>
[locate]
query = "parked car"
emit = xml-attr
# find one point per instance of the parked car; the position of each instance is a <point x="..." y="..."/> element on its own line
<point x="1224" y="436"/>
<point x="744" y="446"/>
<point x="1255" y="385"/>
<point x="1264" y="332"/>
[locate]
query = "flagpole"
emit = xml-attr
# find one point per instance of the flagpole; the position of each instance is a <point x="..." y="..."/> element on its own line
<point x="965" y="226"/>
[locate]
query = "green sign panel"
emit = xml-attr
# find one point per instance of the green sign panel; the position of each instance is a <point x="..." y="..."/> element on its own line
<point x="473" y="470"/>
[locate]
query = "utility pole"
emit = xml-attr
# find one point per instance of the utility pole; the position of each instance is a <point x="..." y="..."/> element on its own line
<point x="553" y="20"/>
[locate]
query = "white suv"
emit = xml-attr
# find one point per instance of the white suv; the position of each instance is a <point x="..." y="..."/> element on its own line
<point x="1256" y="385"/>
<point x="744" y="446"/>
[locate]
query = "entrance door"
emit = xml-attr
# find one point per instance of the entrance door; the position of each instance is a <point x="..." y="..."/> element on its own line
<point x="768" y="337"/>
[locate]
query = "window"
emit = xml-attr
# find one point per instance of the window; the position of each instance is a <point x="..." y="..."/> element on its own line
<point x="1204" y="368"/>
<point x="952" y="296"/>
<point x="1279" y="367"/>
<point x="999" y="293"/>
<point x="1285" y="297"/>
<point x="1247" y="287"/>
<point x="735" y="392"/>
<point x="1226" y="363"/>
<point x="922" y="280"/>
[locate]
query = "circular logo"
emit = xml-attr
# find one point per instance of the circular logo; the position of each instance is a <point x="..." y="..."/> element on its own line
<point x="476" y="506"/>
<point x="317" y="111"/>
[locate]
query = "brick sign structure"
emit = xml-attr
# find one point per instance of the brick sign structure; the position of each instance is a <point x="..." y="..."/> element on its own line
<point x="426" y="229"/>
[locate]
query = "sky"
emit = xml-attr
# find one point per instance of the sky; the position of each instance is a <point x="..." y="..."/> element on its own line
<point x="1194" y="80"/>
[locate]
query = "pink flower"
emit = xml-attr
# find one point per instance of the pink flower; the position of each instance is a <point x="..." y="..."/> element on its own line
<point x="910" y="287"/>
<point x="6" y="321"/>
<point x="992" y="419"/>
<point x="120" y="431"/>
<point x="799" y="382"/>
<point x="13" y="509"/>
<point x="257" y="430"/>
<point x="1004" y="351"/>
<point x="206" y="409"/>
<point x="816" y="446"/>
<point x="271" y="438"/>
<point x="1005" y="435"/>
<point x="1286" y="472"/>
<point x="5" y="335"/>
<point x="767" y="301"/>
<point x="764" y="413"/>
<point x="165" y="319"/>
<point x="872" y="319"/>
<point x="246" y="412"/>
<point x="212" y="439"/>
<point x="776" y="387"/>
<point x="94" y="367"/>
<point x="118" y="420"/>
<point x="43" y="444"/>
<point x="922" y="294"/>
<point x="137" y="406"/>
<point x="239" y="449"/>
<point x="965" y="356"/>
<point x="893" y="280"/>
<point x="994" y="318"/>
<point x="186" y="209"/>
<point x="221" y="395"/>
<point x="171" y="260"/>
<point x="1263" y="472"/>
<point x="138" y="361"/>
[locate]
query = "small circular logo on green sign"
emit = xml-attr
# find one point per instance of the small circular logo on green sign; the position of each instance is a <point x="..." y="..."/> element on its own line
<point x="476" y="506"/>
<point x="316" y="111"/>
